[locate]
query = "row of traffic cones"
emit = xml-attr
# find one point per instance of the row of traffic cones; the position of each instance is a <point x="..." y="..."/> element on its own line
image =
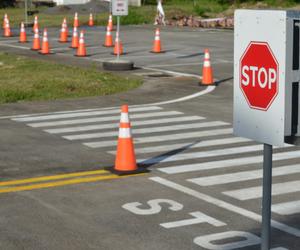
<point x="79" y="44"/>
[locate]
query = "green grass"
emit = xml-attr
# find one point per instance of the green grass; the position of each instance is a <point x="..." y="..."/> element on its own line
<point x="28" y="79"/>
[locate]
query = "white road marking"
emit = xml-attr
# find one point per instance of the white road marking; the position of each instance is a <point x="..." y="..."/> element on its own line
<point x="225" y="205"/>
<point x="163" y="138"/>
<point x="200" y="144"/>
<point x="14" y="46"/>
<point x="287" y="208"/>
<point x="100" y="119"/>
<point x="116" y="125"/>
<point x="82" y="114"/>
<point x="146" y="130"/>
<point x="256" y="192"/>
<point x="227" y="163"/>
<point x="243" y="176"/>
<point x="202" y="154"/>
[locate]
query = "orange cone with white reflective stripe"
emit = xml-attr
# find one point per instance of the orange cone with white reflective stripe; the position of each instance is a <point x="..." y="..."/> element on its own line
<point x="157" y="43"/>
<point x="4" y="20"/>
<point x="65" y="24"/>
<point x="35" y="24"/>
<point x="75" y="39"/>
<point x="118" y="49"/>
<point x="7" y="31"/>
<point x="81" y="50"/>
<point x="207" y="72"/>
<point x="110" y="22"/>
<point x="91" y="20"/>
<point x="108" y="38"/>
<point x="63" y="34"/>
<point x="23" y="37"/>
<point x="125" y="157"/>
<point x="76" y="21"/>
<point x="36" y="41"/>
<point x="45" y="45"/>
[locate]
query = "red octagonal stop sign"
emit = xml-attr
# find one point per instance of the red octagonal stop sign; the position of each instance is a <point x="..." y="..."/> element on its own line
<point x="259" y="75"/>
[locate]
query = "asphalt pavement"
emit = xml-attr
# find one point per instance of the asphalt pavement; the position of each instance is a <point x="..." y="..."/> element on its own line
<point x="202" y="188"/>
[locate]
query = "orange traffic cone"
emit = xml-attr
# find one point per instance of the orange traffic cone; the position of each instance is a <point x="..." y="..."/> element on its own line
<point x="157" y="44"/>
<point x="91" y="20"/>
<point x="65" y="24"/>
<point x="36" y="41"/>
<point x="118" y="49"/>
<point x="45" y="45"/>
<point x="81" y="50"/>
<point x="63" y="34"/>
<point x="125" y="157"/>
<point x="108" y="38"/>
<point x="207" y="72"/>
<point x="110" y="22"/>
<point x="76" y="21"/>
<point x="35" y="24"/>
<point x="23" y="37"/>
<point x="7" y="31"/>
<point x="75" y="39"/>
<point x="4" y="20"/>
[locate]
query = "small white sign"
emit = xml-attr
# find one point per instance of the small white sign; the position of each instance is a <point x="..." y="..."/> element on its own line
<point x="120" y="7"/>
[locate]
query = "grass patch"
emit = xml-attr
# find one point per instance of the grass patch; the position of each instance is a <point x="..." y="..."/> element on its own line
<point x="28" y="79"/>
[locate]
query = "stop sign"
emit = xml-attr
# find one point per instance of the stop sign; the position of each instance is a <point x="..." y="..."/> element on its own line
<point x="258" y="78"/>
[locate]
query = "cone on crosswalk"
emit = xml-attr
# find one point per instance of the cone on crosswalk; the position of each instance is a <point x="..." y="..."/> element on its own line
<point x="76" y="20"/>
<point x="75" y="39"/>
<point x="110" y="24"/>
<point x="4" y="20"/>
<point x="157" y="43"/>
<point x="23" y="36"/>
<point x="36" y="45"/>
<point x="125" y="158"/>
<point x="35" y="24"/>
<point x="45" y="44"/>
<point x="207" y="71"/>
<point x="63" y="33"/>
<point x="91" y="20"/>
<point x="7" y="31"/>
<point x="108" y="38"/>
<point x="81" y="50"/>
<point x="118" y="49"/>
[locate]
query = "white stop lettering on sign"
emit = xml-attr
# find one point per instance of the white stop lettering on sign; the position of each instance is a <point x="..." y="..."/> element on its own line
<point x="259" y="75"/>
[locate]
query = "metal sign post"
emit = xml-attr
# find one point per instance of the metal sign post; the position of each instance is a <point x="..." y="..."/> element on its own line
<point x="26" y="13"/>
<point x="118" y="8"/>
<point x="267" y="197"/>
<point x="118" y="32"/>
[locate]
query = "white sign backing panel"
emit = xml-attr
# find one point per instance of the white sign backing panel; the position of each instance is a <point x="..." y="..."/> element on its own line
<point x="120" y="7"/>
<point x="264" y="29"/>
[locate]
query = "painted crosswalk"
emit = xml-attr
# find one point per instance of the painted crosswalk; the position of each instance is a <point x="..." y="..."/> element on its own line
<point x="174" y="143"/>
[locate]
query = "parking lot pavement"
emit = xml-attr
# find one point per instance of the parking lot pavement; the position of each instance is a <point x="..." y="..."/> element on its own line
<point x="203" y="189"/>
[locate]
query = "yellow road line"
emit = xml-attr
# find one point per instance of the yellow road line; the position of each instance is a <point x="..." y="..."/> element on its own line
<point x="52" y="177"/>
<point x="63" y="183"/>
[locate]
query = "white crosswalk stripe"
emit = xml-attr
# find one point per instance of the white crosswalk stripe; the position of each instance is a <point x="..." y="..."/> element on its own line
<point x="101" y="119"/>
<point x="243" y="176"/>
<point x="146" y="130"/>
<point x="164" y="138"/>
<point x="245" y="161"/>
<point x="256" y="192"/>
<point x="82" y="114"/>
<point x="287" y="208"/>
<point x="116" y="125"/>
<point x="193" y="145"/>
<point x="203" y="154"/>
